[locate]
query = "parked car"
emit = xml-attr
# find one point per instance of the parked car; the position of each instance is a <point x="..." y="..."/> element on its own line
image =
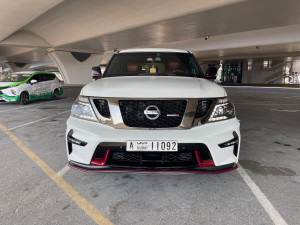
<point x="153" y="110"/>
<point x="23" y="87"/>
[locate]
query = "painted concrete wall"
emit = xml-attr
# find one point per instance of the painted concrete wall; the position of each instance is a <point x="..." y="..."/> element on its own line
<point x="258" y="75"/>
<point x="296" y="66"/>
<point x="73" y="71"/>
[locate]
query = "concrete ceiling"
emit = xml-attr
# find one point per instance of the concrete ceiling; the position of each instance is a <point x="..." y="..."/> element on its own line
<point x="235" y="27"/>
<point x="18" y="13"/>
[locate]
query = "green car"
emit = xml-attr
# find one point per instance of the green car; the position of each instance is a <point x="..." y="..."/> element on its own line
<point x="23" y="87"/>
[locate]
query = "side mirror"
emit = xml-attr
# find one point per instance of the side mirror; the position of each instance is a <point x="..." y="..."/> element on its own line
<point x="211" y="73"/>
<point x="96" y="72"/>
<point x="33" y="82"/>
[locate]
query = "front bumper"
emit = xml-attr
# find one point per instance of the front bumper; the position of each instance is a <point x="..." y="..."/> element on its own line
<point x="61" y="91"/>
<point x="6" y="98"/>
<point x="211" y="135"/>
<point x="93" y="168"/>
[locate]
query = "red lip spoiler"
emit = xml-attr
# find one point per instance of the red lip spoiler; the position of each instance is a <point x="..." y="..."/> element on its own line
<point x="166" y="172"/>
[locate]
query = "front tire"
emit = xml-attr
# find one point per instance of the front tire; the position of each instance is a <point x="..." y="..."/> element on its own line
<point x="56" y="94"/>
<point x="24" y="98"/>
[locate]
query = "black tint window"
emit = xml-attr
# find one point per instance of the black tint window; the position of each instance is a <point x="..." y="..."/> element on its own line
<point x="52" y="76"/>
<point x="44" y="77"/>
<point x="47" y="77"/>
<point x="36" y="77"/>
<point x="153" y="63"/>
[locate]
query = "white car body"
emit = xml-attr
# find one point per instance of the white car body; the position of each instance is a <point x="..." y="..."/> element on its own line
<point x="84" y="136"/>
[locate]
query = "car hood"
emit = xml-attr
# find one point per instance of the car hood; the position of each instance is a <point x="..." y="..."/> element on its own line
<point x="153" y="87"/>
<point x="7" y="84"/>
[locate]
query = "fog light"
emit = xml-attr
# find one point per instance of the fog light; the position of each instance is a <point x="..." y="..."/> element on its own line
<point x="75" y="141"/>
<point x="233" y="142"/>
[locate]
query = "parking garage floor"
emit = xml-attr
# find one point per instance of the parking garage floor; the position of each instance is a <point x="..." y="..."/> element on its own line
<point x="38" y="188"/>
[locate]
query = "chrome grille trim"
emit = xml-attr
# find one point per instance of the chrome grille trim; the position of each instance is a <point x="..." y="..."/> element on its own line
<point x="117" y="122"/>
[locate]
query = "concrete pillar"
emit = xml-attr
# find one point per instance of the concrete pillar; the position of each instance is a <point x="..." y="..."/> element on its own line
<point x="75" y="70"/>
<point x="106" y="58"/>
<point x="18" y="66"/>
<point x="296" y="66"/>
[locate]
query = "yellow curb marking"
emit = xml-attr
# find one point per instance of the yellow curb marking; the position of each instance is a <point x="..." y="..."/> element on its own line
<point x="87" y="207"/>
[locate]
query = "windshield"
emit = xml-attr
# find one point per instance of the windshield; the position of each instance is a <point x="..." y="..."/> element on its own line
<point x="15" y="77"/>
<point x="153" y="64"/>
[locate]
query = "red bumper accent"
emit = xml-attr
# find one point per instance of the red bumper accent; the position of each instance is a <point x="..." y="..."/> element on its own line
<point x="100" y="162"/>
<point x="203" y="163"/>
<point x="205" y="166"/>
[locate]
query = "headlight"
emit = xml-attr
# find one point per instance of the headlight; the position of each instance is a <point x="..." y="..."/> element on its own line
<point x="223" y="110"/>
<point x="82" y="109"/>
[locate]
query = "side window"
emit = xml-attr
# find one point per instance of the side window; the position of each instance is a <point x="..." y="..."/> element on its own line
<point x="35" y="77"/>
<point x="43" y="77"/>
<point x="48" y="77"/>
<point x="51" y="76"/>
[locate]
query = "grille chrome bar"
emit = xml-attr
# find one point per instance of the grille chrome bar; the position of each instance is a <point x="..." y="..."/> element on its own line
<point x="116" y="120"/>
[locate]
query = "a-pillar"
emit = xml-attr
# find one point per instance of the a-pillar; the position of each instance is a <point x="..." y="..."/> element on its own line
<point x="19" y="66"/>
<point x="75" y="67"/>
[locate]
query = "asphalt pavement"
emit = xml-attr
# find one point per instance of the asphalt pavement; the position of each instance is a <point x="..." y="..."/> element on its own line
<point x="264" y="190"/>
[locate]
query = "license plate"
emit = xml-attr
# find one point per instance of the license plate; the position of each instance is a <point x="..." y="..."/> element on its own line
<point x="152" y="146"/>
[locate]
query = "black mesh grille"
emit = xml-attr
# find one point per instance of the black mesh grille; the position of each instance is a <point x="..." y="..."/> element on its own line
<point x="171" y="113"/>
<point x="202" y="108"/>
<point x="153" y="159"/>
<point x="102" y="107"/>
<point x="178" y="157"/>
<point x="1" y="93"/>
<point x="125" y="156"/>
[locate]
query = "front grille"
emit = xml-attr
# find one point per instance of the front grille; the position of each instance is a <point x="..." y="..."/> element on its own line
<point x="184" y="157"/>
<point x="1" y="93"/>
<point x="102" y="107"/>
<point x="126" y="156"/>
<point x="171" y="113"/>
<point x="153" y="158"/>
<point x="178" y="157"/>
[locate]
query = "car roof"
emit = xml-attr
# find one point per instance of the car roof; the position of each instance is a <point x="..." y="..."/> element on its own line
<point x="24" y="72"/>
<point x="133" y="50"/>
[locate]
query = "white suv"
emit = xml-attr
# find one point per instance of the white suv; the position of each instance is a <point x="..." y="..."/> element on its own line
<point x="153" y="111"/>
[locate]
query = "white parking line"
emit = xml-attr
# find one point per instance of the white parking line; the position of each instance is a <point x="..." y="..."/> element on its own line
<point x="244" y="103"/>
<point x="63" y="171"/>
<point x="286" y="110"/>
<point x="31" y="105"/>
<point x="25" y="124"/>
<point x="266" y="204"/>
<point x="262" y="87"/>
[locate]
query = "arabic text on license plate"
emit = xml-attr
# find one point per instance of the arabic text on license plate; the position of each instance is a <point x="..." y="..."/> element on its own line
<point x="159" y="146"/>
